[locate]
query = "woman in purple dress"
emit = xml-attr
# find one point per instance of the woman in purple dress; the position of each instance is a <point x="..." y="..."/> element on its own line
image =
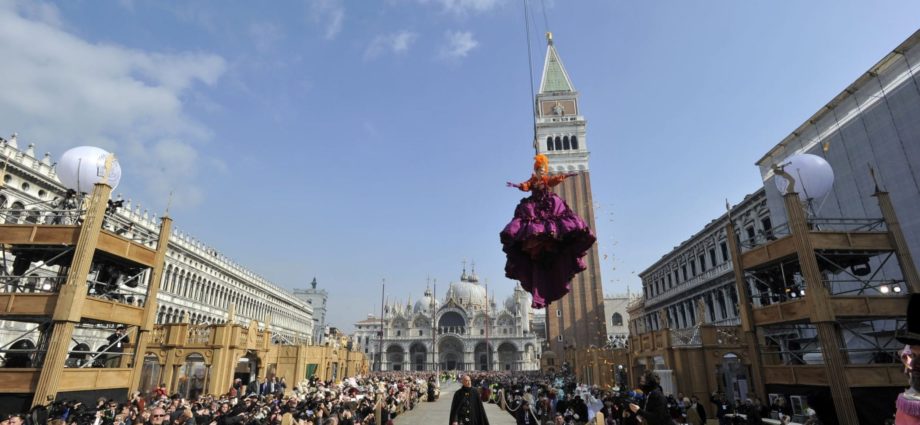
<point x="546" y="241"/>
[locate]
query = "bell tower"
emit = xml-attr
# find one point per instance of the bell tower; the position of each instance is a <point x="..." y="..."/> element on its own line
<point x="576" y="321"/>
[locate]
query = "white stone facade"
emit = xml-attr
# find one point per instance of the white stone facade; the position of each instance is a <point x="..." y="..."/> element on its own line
<point x="198" y="282"/>
<point x="697" y="276"/>
<point x="618" y="319"/>
<point x="316" y="298"/>
<point x="466" y="331"/>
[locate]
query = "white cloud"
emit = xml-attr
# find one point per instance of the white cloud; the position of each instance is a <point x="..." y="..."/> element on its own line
<point x="398" y="43"/>
<point x="459" y="44"/>
<point x="463" y="7"/>
<point x="60" y="91"/>
<point x="330" y="14"/>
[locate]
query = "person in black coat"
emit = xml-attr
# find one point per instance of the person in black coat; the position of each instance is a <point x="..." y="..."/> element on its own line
<point x="723" y="407"/>
<point x="116" y="346"/>
<point x="700" y="410"/>
<point x="655" y="411"/>
<point x="466" y="407"/>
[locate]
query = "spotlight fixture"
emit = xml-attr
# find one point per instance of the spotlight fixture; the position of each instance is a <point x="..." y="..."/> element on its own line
<point x="896" y="289"/>
<point x="884" y="289"/>
<point x="802" y="292"/>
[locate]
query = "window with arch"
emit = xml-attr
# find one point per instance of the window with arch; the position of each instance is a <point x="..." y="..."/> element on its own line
<point x="617" y="319"/>
<point x="17" y="211"/>
<point x="558" y="143"/>
<point x="565" y="143"/>
<point x="549" y="145"/>
<point x="574" y="142"/>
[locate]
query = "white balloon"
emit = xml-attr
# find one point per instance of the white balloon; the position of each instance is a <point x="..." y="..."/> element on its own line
<point x="82" y="167"/>
<point x="813" y="176"/>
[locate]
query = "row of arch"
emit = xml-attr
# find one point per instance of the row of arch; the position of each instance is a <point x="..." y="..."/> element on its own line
<point x="190" y="285"/>
<point x="563" y="143"/>
<point x="175" y="315"/>
<point x="193" y="286"/>
<point x="18" y="213"/>
<point x="506" y="356"/>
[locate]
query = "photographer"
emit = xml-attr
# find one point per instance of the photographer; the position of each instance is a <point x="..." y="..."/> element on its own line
<point x="655" y="411"/>
<point x="115" y="347"/>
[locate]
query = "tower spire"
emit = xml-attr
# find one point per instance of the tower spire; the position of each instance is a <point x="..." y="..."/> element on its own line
<point x="555" y="78"/>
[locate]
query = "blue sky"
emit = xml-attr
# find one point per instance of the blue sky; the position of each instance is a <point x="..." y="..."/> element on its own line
<point x="361" y="140"/>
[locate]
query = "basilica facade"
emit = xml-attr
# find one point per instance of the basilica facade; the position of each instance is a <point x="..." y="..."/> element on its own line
<point x="466" y="330"/>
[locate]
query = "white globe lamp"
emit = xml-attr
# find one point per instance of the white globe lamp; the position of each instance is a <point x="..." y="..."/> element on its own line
<point x="813" y="176"/>
<point x="82" y="167"/>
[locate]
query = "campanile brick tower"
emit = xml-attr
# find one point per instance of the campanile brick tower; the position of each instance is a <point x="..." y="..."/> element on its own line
<point x="577" y="320"/>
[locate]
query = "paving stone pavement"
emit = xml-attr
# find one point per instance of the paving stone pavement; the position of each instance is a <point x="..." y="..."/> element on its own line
<point x="436" y="413"/>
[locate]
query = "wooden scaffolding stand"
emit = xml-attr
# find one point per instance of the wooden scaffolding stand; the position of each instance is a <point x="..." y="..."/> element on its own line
<point x="70" y="306"/>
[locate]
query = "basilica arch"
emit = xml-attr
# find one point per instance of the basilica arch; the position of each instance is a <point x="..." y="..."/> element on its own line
<point x="482" y="356"/>
<point x="452" y="322"/>
<point x="508" y="356"/>
<point x="395" y="357"/>
<point x="450" y="353"/>
<point x="418" y="355"/>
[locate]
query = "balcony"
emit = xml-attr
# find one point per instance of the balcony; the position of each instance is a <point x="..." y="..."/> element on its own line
<point x="691" y="283"/>
<point x="851" y="234"/>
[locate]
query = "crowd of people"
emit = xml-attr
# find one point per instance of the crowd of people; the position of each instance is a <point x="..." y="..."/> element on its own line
<point x="532" y="398"/>
<point x="375" y="399"/>
<point x="541" y="399"/>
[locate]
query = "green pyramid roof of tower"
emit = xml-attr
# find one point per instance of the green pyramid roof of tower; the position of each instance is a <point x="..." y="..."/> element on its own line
<point x="555" y="79"/>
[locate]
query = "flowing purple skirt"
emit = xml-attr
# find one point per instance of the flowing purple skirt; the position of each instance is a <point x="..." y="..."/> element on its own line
<point x="545" y="244"/>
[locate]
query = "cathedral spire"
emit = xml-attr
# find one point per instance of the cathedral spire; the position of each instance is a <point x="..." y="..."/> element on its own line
<point x="555" y="79"/>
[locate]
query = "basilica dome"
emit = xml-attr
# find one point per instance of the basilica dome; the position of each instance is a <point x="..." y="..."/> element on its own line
<point x="424" y="305"/>
<point x="511" y="303"/>
<point x="468" y="292"/>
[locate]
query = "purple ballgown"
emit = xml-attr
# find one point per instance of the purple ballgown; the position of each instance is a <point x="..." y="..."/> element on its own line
<point x="545" y="243"/>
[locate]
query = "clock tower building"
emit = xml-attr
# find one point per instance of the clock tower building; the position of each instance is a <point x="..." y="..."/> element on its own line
<point x="577" y="320"/>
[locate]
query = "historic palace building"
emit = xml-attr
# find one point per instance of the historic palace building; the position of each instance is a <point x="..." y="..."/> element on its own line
<point x="465" y="331"/>
<point x="198" y="282"/>
<point x="616" y="306"/>
<point x="316" y="298"/>
<point x="577" y="320"/>
<point x="795" y="295"/>
<point x="98" y="299"/>
<point x="698" y="273"/>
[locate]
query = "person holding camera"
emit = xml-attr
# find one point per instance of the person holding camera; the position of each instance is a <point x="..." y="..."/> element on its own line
<point x="655" y="411"/>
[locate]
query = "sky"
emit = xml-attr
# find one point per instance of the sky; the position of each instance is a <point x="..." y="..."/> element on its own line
<point x="361" y="140"/>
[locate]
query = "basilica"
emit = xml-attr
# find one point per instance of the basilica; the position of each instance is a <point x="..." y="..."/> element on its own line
<point x="464" y="331"/>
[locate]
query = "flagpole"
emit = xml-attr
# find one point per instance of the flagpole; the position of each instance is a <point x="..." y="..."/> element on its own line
<point x="383" y="289"/>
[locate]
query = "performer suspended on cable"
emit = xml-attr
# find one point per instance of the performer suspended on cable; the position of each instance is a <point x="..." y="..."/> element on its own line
<point x="546" y="241"/>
